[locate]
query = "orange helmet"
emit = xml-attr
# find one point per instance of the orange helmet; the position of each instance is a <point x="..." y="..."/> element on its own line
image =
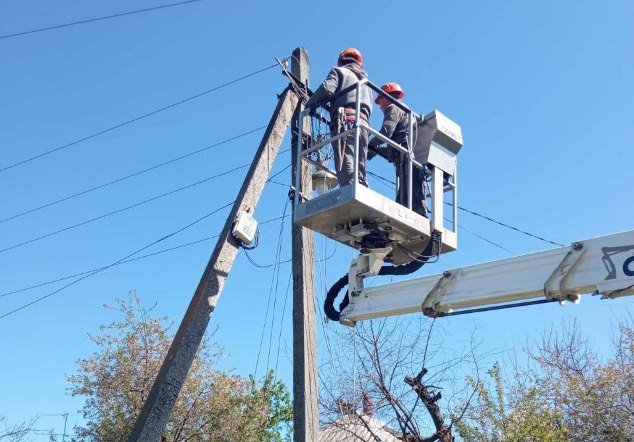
<point x="394" y="89"/>
<point x="350" y="54"/>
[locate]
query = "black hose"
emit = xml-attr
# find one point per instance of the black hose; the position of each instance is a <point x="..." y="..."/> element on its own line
<point x="329" y="302"/>
<point x="431" y="249"/>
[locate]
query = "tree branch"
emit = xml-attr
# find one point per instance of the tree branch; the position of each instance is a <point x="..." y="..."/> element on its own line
<point x="443" y="432"/>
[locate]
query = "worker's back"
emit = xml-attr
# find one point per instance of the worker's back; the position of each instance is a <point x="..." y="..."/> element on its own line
<point x="349" y="75"/>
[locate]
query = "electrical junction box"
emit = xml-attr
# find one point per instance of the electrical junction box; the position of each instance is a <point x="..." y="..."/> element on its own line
<point x="438" y="141"/>
<point x="245" y="227"/>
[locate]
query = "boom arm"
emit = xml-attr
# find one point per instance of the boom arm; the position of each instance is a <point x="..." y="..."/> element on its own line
<point x="603" y="265"/>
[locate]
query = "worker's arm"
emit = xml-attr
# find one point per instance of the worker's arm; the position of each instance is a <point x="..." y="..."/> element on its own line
<point x="326" y="89"/>
<point x="390" y="120"/>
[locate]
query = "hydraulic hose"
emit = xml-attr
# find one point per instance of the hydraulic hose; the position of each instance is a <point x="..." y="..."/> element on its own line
<point x="329" y="303"/>
<point x="431" y="249"/>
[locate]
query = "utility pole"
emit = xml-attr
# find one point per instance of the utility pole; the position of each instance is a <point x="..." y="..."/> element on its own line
<point x="160" y="402"/>
<point x="305" y="411"/>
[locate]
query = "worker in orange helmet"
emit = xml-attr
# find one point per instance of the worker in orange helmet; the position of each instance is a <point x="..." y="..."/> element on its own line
<point x="349" y="71"/>
<point x="396" y="127"/>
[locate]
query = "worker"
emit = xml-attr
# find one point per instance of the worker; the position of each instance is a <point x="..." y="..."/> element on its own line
<point x="396" y="127"/>
<point x="349" y="71"/>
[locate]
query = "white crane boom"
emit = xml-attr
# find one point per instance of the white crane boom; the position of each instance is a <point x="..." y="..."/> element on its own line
<point x="603" y="265"/>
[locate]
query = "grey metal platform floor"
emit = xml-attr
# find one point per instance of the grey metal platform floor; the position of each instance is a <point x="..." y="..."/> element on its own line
<point x="328" y="214"/>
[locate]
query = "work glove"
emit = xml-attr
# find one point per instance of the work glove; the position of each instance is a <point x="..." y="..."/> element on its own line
<point x="382" y="150"/>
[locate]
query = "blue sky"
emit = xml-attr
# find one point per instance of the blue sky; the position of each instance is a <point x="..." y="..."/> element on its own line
<point x="542" y="90"/>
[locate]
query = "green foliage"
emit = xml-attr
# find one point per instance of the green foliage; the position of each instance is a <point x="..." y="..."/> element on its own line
<point x="595" y="395"/>
<point x="212" y="406"/>
<point x="277" y="423"/>
<point x="504" y="412"/>
<point x="568" y="393"/>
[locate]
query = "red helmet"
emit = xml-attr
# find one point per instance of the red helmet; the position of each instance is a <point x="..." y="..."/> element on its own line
<point x="348" y="55"/>
<point x="394" y="89"/>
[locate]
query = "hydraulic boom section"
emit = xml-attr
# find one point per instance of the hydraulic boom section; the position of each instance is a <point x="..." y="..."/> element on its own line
<point x="601" y="266"/>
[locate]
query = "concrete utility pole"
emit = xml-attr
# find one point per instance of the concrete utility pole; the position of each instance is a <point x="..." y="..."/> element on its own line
<point x="158" y="406"/>
<point x="305" y="411"/>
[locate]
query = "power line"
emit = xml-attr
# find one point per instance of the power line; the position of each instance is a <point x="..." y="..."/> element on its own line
<point x="507" y="226"/>
<point x="88" y="221"/>
<point x="382" y="180"/>
<point x="138" y="258"/>
<point x="279" y="336"/>
<point x="63" y="278"/>
<point x="90" y="20"/>
<point x="264" y="266"/>
<point x="276" y="263"/>
<point x="275" y="284"/>
<point x="270" y="179"/>
<point x="133" y="120"/>
<point x="485" y="239"/>
<point x="130" y="260"/>
<point x="388" y="182"/>
<point x="134" y="174"/>
<point x="41" y="298"/>
<point x="392" y="185"/>
<point x="276" y="275"/>
<point x="278" y="183"/>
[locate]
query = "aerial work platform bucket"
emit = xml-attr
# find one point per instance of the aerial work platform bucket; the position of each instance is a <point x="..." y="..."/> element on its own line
<point x="365" y="219"/>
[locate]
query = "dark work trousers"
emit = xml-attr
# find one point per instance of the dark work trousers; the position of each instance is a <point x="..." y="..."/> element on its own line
<point x="402" y="187"/>
<point x="344" y="154"/>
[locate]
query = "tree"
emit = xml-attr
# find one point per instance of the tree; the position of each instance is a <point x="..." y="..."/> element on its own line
<point x="15" y="433"/>
<point x="401" y="370"/>
<point x="566" y="393"/>
<point x="212" y="405"/>
<point x="595" y="396"/>
<point x="510" y="411"/>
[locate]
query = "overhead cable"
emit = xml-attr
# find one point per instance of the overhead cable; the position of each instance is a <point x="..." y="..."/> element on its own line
<point x="133" y="120"/>
<point x="506" y="225"/>
<point x="276" y="263"/>
<point x="493" y="243"/>
<point x="276" y="276"/>
<point x="382" y="180"/>
<point x="392" y="183"/>
<point x="274" y="283"/>
<point x="270" y="179"/>
<point x="130" y="255"/>
<point x="138" y="258"/>
<point x="114" y="212"/>
<point x="265" y="266"/>
<point x="132" y="175"/>
<point x="279" y="336"/>
<point x="90" y="20"/>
